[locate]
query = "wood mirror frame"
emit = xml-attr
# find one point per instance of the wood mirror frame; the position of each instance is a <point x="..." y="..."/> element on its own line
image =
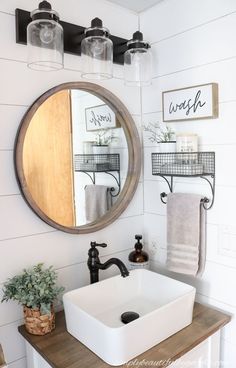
<point x="134" y="150"/>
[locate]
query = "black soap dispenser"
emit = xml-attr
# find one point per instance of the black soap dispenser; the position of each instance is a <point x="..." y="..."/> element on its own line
<point x="138" y="258"/>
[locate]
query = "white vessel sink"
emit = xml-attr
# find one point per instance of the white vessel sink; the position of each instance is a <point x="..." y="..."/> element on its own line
<point x="93" y="314"/>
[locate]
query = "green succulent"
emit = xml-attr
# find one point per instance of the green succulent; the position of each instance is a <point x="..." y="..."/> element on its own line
<point x="34" y="288"/>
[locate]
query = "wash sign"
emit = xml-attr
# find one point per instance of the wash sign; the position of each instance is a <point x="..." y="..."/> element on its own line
<point x="100" y="117"/>
<point x="191" y="103"/>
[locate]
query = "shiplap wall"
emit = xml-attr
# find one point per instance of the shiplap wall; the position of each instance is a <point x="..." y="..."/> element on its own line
<point x="25" y="239"/>
<point x="193" y="42"/>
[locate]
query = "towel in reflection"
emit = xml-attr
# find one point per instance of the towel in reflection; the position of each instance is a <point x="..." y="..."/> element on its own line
<point x="186" y="242"/>
<point x="97" y="201"/>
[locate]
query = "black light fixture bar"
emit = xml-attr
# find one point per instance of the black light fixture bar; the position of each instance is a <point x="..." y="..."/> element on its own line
<point x="73" y="36"/>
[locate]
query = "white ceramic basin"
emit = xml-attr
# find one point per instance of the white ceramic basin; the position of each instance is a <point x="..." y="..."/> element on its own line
<point x="93" y="314"/>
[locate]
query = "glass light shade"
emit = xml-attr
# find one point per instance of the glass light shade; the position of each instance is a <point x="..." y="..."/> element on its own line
<point x="97" y="53"/>
<point x="45" y="41"/>
<point x="138" y="64"/>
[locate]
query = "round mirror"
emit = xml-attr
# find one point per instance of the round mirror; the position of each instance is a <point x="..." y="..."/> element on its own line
<point x="77" y="157"/>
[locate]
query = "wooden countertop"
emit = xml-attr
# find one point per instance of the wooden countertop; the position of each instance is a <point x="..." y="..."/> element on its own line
<point x="61" y="350"/>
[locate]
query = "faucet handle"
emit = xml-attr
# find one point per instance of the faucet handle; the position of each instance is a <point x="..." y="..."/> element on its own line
<point x="94" y="245"/>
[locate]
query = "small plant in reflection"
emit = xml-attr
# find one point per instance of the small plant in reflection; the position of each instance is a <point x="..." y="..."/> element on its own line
<point x="157" y="134"/>
<point x="104" y="137"/>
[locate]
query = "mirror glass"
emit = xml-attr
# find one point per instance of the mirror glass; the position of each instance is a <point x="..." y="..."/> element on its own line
<point x="73" y="158"/>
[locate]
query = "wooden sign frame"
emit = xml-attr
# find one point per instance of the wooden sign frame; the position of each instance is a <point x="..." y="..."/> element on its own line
<point x="100" y="117"/>
<point x="191" y="103"/>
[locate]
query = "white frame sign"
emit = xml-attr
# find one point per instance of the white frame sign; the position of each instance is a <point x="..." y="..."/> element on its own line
<point x="191" y="103"/>
<point x="100" y="117"/>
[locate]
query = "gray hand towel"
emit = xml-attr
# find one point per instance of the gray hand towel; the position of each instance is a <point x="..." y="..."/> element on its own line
<point x="96" y="201"/>
<point x="186" y="231"/>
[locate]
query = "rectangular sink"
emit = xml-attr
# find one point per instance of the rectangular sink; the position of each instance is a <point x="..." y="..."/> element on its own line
<point x="93" y="314"/>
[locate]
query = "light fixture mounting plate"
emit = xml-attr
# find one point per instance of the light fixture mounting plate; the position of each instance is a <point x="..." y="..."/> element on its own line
<point x="73" y="35"/>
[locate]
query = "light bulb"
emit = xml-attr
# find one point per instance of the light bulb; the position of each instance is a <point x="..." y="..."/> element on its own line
<point x="46" y="35"/>
<point x="137" y="56"/>
<point x="97" y="47"/>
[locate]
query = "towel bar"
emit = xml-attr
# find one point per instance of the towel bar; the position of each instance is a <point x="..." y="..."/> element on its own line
<point x="185" y="164"/>
<point x="203" y="200"/>
<point x="110" y="190"/>
<point x="93" y="164"/>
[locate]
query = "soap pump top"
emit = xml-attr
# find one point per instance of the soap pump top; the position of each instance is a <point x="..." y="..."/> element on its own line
<point x="138" y="257"/>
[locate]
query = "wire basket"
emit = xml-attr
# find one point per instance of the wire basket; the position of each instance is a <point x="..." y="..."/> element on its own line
<point x="183" y="164"/>
<point x="97" y="163"/>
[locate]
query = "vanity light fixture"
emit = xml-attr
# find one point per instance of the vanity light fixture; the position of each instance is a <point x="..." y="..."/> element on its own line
<point x="97" y="52"/>
<point x="138" y="62"/>
<point x="45" y="39"/>
<point x="48" y="39"/>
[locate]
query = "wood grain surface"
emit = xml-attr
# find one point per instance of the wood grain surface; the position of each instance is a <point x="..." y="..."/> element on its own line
<point x="61" y="350"/>
<point x="47" y="159"/>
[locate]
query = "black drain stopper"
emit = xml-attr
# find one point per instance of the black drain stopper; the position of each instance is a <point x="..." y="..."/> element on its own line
<point x="128" y="317"/>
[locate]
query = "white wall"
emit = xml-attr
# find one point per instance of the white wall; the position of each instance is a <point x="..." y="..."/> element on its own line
<point x="24" y="238"/>
<point x="194" y="43"/>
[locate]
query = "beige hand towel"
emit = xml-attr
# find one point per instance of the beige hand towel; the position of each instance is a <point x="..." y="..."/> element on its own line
<point x="97" y="201"/>
<point x="186" y="231"/>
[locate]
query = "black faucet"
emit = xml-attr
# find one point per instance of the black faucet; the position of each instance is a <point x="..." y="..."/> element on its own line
<point x="95" y="265"/>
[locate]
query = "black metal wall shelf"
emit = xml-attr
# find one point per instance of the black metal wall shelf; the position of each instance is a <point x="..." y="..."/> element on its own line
<point x="103" y="163"/>
<point x="185" y="164"/>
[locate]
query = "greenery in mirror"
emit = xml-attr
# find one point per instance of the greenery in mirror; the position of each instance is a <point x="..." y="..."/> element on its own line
<point x="34" y="288"/>
<point x="104" y="137"/>
<point x="159" y="134"/>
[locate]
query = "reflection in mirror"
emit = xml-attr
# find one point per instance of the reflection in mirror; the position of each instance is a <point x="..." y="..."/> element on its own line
<point x="75" y="157"/>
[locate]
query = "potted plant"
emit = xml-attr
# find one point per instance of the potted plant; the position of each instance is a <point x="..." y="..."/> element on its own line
<point x="163" y="136"/>
<point x="35" y="289"/>
<point x="103" y="138"/>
